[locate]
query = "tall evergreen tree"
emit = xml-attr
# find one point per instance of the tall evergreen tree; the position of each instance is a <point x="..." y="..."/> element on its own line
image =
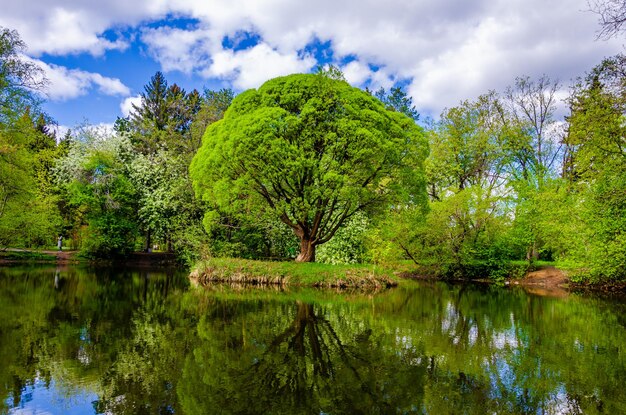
<point x="152" y="112"/>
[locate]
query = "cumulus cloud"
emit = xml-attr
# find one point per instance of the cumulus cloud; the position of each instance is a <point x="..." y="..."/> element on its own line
<point x="178" y="49"/>
<point x="447" y="50"/>
<point x="74" y="26"/>
<point x="126" y="106"/>
<point x="249" y="68"/>
<point x="65" y="83"/>
<point x="202" y="50"/>
<point x="356" y="73"/>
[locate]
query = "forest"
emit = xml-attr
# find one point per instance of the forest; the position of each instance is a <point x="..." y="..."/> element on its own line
<point x="309" y="168"/>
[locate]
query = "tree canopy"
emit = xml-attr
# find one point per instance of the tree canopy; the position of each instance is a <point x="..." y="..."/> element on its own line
<point x="314" y="151"/>
<point x="28" y="214"/>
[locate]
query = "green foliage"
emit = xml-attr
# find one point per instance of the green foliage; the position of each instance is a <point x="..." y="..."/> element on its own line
<point x="94" y="179"/>
<point x="163" y="130"/>
<point x="391" y="237"/>
<point x="308" y="161"/>
<point x="164" y="117"/>
<point x="28" y="215"/>
<point x="597" y="169"/>
<point x="214" y="105"/>
<point x="348" y="246"/>
<point x="313" y="151"/>
<point x="463" y="234"/>
<point x="240" y="235"/>
<point x="397" y="100"/>
<point x="19" y="78"/>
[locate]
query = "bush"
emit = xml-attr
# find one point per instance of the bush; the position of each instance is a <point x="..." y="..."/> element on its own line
<point x="348" y="244"/>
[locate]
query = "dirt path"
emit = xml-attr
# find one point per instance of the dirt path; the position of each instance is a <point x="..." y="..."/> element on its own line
<point x="63" y="256"/>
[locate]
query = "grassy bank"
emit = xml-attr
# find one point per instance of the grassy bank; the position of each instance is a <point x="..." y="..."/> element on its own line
<point x="26" y="256"/>
<point x="158" y="259"/>
<point x="362" y="276"/>
<point x="292" y="273"/>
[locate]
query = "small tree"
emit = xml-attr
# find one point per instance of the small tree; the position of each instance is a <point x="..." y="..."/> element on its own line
<point x="314" y="151"/>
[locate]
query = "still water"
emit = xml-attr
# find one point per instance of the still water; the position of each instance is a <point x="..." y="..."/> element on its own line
<point x="103" y="341"/>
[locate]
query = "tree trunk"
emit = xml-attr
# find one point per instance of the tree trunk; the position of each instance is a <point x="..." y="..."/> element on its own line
<point x="532" y="254"/>
<point x="149" y="241"/>
<point x="307" y="251"/>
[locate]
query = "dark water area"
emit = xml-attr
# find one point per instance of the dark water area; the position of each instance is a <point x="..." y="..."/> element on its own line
<point x="103" y="341"/>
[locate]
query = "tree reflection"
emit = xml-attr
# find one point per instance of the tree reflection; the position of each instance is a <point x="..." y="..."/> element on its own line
<point x="307" y="367"/>
<point x="306" y="360"/>
<point x="65" y="328"/>
<point x="141" y="344"/>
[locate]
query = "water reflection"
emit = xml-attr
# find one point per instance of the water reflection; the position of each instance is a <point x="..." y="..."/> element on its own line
<point x="306" y="364"/>
<point x="140" y="341"/>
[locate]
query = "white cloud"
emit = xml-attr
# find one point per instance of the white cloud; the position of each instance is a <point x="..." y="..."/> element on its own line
<point x="201" y="50"/>
<point x="126" y="106"/>
<point x="249" y="68"/>
<point x="101" y="129"/>
<point x="106" y="85"/>
<point x="356" y="73"/>
<point x="74" y="26"/>
<point x="178" y="49"/>
<point x="361" y="75"/>
<point x="67" y="83"/>
<point x="448" y="50"/>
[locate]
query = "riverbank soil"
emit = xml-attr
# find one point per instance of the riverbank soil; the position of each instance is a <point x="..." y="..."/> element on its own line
<point x="64" y="256"/>
<point x="546" y="281"/>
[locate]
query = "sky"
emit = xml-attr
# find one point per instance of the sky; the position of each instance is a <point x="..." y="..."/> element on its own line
<point x="98" y="55"/>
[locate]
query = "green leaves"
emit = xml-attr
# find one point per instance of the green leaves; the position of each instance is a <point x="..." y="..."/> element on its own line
<point x="96" y="185"/>
<point x="312" y="150"/>
<point x="597" y="168"/>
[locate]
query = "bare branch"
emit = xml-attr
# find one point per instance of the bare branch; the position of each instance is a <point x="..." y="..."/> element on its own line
<point x="611" y="16"/>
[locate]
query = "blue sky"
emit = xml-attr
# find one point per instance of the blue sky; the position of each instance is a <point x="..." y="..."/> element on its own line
<point x="99" y="55"/>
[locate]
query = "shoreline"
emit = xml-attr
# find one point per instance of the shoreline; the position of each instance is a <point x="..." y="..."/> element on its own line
<point x="266" y="273"/>
<point x="544" y="280"/>
<point x="26" y="256"/>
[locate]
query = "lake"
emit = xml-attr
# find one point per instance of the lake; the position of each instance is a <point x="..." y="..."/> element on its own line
<point x="121" y="341"/>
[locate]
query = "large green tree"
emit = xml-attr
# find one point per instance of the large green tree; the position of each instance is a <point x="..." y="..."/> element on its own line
<point x="94" y="181"/>
<point x="28" y="215"/>
<point x="466" y="174"/>
<point x="312" y="150"/>
<point x="160" y="128"/>
<point x="597" y="170"/>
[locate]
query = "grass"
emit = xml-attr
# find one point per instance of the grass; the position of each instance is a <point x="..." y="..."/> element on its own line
<point x="292" y="273"/>
<point x="360" y="276"/>
<point x="26" y="256"/>
<point x="534" y="265"/>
